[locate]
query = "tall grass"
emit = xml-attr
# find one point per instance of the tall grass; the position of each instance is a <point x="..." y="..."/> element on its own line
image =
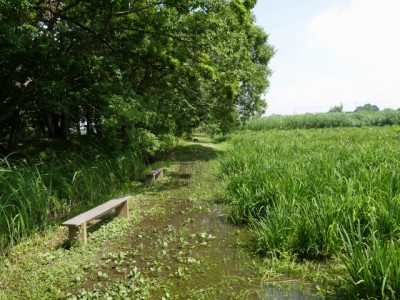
<point x="325" y="120"/>
<point x="373" y="264"/>
<point x="37" y="192"/>
<point x="320" y="178"/>
<point x="303" y="191"/>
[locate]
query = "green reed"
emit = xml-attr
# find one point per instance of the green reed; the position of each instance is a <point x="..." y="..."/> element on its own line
<point x="325" y="120"/>
<point x="302" y="191"/>
<point x="38" y="192"/>
<point x="320" y="178"/>
<point x="372" y="262"/>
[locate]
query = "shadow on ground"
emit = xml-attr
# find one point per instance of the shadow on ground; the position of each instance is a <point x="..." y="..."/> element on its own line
<point x="185" y="155"/>
<point x="196" y="152"/>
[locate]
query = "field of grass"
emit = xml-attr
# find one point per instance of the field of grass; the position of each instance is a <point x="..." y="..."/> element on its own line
<point x="323" y="193"/>
<point x="326" y="120"/>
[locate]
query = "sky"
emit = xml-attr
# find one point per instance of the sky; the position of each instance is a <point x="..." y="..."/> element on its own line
<point x="331" y="52"/>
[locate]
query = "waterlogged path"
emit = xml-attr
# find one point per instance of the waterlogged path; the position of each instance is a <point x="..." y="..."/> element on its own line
<point x="177" y="244"/>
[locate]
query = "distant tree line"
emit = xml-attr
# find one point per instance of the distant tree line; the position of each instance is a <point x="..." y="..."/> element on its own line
<point x="365" y="107"/>
<point x="128" y="69"/>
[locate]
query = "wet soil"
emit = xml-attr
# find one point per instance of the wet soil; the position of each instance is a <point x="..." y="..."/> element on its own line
<point x="187" y="245"/>
<point x="178" y="243"/>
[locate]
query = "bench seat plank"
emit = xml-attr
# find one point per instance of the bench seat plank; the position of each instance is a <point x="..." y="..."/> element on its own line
<point x="95" y="212"/>
<point x="154" y="172"/>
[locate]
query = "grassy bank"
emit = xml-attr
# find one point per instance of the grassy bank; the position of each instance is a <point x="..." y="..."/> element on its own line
<point x="325" y="120"/>
<point x="37" y="192"/>
<point x="322" y="193"/>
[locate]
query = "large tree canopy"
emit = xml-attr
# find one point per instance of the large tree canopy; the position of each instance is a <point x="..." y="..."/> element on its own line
<point x="128" y="68"/>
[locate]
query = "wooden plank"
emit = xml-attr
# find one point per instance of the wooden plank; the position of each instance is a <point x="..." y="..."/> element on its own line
<point x="96" y="212"/>
<point x="154" y="172"/>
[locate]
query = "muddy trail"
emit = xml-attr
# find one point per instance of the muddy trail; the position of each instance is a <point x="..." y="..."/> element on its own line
<point x="178" y="243"/>
<point x="186" y="246"/>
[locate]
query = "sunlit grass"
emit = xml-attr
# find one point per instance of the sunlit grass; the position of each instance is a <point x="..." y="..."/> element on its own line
<point x="325" y="120"/>
<point x="34" y="193"/>
<point x="373" y="263"/>
<point x="302" y="191"/>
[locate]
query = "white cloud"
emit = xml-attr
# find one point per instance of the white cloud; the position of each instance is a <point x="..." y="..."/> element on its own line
<point x="365" y="30"/>
<point x="348" y="55"/>
<point x="320" y="94"/>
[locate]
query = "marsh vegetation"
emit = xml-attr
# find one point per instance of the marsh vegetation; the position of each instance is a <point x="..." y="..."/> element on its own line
<point x="322" y="194"/>
<point x="385" y="117"/>
<point x="306" y="212"/>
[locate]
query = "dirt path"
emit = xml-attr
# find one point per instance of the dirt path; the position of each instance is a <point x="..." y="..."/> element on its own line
<point x="177" y="244"/>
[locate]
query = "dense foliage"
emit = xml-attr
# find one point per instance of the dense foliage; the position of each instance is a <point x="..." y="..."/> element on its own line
<point x="367" y="107"/>
<point x="326" y="120"/>
<point x="318" y="193"/>
<point x="128" y="71"/>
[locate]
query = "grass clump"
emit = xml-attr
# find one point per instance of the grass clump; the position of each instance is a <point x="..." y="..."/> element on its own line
<point x="37" y="192"/>
<point x="302" y="191"/>
<point x="373" y="264"/>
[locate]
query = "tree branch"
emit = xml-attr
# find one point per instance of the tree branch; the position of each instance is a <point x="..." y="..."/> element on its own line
<point x="91" y="31"/>
<point x="130" y="11"/>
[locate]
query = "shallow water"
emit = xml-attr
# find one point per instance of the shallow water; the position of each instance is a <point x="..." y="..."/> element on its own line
<point x="292" y="292"/>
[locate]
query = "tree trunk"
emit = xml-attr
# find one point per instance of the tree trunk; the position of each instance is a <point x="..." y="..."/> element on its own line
<point x="97" y="125"/>
<point x="64" y="126"/>
<point x="78" y="127"/>
<point x="89" y="123"/>
<point x="41" y="125"/>
<point x="60" y="123"/>
<point x="49" y="124"/>
<point x="57" y="125"/>
<point x="15" y="133"/>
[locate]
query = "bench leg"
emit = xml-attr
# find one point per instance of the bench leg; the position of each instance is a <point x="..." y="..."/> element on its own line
<point x="78" y="234"/>
<point x="160" y="175"/>
<point x="150" y="179"/>
<point x="123" y="210"/>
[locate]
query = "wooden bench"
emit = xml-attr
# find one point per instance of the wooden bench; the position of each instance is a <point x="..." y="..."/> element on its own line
<point x="154" y="175"/>
<point x="78" y="225"/>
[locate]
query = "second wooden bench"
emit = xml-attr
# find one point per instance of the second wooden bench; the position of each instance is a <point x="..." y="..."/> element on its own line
<point x="152" y="176"/>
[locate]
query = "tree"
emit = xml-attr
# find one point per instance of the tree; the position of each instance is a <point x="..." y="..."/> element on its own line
<point x="128" y="69"/>
<point x="336" y="108"/>
<point x="367" y="107"/>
